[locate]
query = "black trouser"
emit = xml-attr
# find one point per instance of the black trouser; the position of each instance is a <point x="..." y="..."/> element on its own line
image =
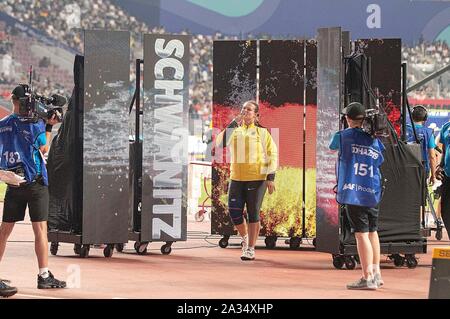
<point x="445" y="203"/>
<point x="248" y="193"/>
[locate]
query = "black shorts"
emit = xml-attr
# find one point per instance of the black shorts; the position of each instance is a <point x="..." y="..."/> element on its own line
<point x="362" y="219"/>
<point x="245" y="193"/>
<point x="35" y="195"/>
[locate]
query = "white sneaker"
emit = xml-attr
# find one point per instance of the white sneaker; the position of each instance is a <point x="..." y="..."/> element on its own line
<point x="378" y="280"/>
<point x="363" y="284"/>
<point x="249" y="254"/>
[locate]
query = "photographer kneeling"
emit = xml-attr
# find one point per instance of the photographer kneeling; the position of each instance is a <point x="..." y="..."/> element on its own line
<point x="359" y="189"/>
<point x="22" y="145"/>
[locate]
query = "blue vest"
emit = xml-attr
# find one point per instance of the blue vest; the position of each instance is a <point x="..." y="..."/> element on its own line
<point x="423" y="135"/>
<point x="16" y="146"/>
<point x="359" y="177"/>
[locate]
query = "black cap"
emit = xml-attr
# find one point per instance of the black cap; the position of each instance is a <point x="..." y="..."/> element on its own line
<point x="19" y="91"/>
<point x="355" y="111"/>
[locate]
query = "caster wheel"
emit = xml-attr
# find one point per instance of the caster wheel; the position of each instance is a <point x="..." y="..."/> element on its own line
<point x="271" y="242"/>
<point x="295" y="242"/>
<point x="357" y="259"/>
<point x="350" y="262"/>
<point x="108" y="251"/>
<point x="398" y="260"/>
<point x="84" y="251"/>
<point x="439" y="234"/>
<point x="77" y="249"/>
<point x="223" y="243"/>
<point x="141" y="248"/>
<point x="119" y="247"/>
<point x="166" y="249"/>
<point x="200" y="216"/>
<point x="338" y="261"/>
<point x="54" y="248"/>
<point x="314" y="242"/>
<point x="411" y="261"/>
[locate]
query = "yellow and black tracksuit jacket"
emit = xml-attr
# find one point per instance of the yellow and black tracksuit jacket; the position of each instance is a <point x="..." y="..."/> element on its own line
<point x="254" y="154"/>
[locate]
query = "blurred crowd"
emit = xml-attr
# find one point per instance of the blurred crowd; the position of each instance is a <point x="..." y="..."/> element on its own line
<point x="63" y="19"/>
<point x="424" y="59"/>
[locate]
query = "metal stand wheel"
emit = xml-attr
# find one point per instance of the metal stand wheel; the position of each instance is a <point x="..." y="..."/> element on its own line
<point x="119" y="247"/>
<point x="223" y="242"/>
<point x="77" y="249"/>
<point x="166" y="249"/>
<point x="411" y="261"/>
<point x="294" y="242"/>
<point x="54" y="248"/>
<point x="84" y="251"/>
<point x="108" y="250"/>
<point x="140" y="248"/>
<point x="271" y="242"/>
<point x="338" y="261"/>
<point x="438" y="234"/>
<point x="200" y="215"/>
<point x="398" y="260"/>
<point x="350" y="262"/>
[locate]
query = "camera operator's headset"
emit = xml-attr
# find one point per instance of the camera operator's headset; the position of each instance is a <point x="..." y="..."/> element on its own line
<point x="419" y="107"/>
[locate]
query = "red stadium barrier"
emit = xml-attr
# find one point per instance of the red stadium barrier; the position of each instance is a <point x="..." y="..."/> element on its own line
<point x="4" y="111"/>
<point x="443" y="104"/>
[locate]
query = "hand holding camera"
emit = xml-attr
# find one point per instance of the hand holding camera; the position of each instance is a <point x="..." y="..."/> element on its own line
<point x="55" y="118"/>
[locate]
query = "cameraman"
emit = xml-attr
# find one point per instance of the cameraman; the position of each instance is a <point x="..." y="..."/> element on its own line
<point x="22" y="145"/>
<point x="443" y="174"/>
<point x="359" y="189"/>
<point x="426" y="139"/>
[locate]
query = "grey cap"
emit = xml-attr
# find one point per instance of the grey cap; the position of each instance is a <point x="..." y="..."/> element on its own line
<point x="354" y="110"/>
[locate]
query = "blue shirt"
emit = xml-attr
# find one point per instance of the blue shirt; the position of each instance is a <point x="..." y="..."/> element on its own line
<point x="431" y="143"/>
<point x="335" y="144"/>
<point x="426" y="139"/>
<point x="40" y="141"/>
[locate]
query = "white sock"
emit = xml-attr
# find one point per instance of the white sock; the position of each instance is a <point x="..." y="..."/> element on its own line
<point x="43" y="272"/>
<point x="245" y="239"/>
<point x="376" y="268"/>
<point x="369" y="272"/>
